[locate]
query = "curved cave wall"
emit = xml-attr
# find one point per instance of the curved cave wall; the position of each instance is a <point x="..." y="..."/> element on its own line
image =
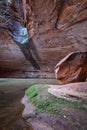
<point x="55" y="27"/>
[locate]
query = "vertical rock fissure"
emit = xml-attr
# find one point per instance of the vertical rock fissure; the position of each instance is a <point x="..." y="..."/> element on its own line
<point x="15" y="22"/>
<point x="28" y="55"/>
<point x="59" y="13"/>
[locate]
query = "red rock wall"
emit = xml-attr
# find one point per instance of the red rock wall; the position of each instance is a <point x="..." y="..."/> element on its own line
<point x="57" y="27"/>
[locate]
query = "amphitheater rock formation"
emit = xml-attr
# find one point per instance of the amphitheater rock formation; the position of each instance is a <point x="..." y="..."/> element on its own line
<point x="56" y="28"/>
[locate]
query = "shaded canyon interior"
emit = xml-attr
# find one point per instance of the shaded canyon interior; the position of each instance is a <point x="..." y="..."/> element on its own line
<point x="51" y="29"/>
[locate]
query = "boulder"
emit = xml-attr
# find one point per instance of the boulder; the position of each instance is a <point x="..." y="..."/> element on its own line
<point x="72" y="68"/>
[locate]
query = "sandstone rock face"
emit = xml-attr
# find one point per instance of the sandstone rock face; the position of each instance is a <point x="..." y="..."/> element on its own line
<point x="73" y="68"/>
<point x="72" y="91"/>
<point x="56" y="28"/>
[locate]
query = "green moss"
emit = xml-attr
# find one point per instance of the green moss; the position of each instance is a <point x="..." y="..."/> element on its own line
<point x="48" y="103"/>
<point x="31" y="92"/>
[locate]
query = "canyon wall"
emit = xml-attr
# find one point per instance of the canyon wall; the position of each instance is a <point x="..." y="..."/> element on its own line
<point x="56" y="28"/>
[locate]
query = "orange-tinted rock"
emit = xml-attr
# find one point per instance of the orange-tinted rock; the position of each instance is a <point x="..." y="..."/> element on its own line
<point x="56" y="28"/>
<point x="72" y="68"/>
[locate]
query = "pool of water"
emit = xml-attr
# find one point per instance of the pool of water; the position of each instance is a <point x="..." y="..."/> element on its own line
<point x="11" y="93"/>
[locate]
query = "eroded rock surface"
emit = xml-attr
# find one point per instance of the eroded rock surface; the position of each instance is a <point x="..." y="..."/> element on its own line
<point x="72" y="68"/>
<point x="43" y="121"/>
<point x="56" y="27"/>
<point x="72" y="91"/>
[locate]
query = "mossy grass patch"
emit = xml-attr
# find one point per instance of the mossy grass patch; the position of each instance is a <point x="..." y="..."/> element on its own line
<point x="47" y="103"/>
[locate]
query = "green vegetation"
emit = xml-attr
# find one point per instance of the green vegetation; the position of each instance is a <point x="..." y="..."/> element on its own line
<point x="48" y="103"/>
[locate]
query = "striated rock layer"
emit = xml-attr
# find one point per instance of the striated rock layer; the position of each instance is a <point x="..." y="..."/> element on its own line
<point x="73" y="91"/>
<point x="56" y="28"/>
<point x="72" y="68"/>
